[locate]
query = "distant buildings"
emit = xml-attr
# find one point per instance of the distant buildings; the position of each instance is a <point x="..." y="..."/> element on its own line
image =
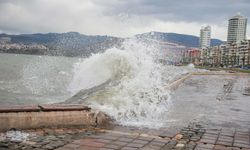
<point x="237" y="26"/>
<point x="7" y="47"/>
<point x="229" y="55"/>
<point x="205" y="37"/>
<point x="192" y="56"/>
<point x="234" y="53"/>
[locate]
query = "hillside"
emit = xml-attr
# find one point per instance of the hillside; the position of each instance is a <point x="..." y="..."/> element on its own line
<point x="181" y="39"/>
<point x="76" y="44"/>
<point x="67" y="44"/>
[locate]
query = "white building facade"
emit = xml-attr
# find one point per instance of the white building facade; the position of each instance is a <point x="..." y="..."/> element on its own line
<point x="237" y="26"/>
<point x="205" y="37"/>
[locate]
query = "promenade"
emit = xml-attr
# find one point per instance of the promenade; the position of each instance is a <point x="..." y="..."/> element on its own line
<point x="192" y="137"/>
<point x="208" y="112"/>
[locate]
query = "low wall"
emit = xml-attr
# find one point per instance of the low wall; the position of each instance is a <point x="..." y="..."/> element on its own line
<point x="220" y="73"/>
<point x="28" y="117"/>
<point x="174" y="85"/>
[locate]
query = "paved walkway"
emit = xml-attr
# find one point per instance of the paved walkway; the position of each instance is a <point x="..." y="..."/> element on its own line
<point x="188" y="139"/>
<point x="192" y="137"/>
<point x="214" y="100"/>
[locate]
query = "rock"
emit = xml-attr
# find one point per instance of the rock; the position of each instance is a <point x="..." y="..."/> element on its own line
<point x="15" y="146"/>
<point x="61" y="136"/>
<point x="3" y="145"/>
<point x="49" y="131"/>
<point x="29" y="142"/>
<point x="57" y="144"/>
<point x="180" y="145"/>
<point x="38" y="149"/>
<point x="2" y="137"/>
<point x="51" y="138"/>
<point x="182" y="141"/>
<point x="178" y="137"/>
<point x="49" y="147"/>
<point x="37" y="146"/>
<point x="5" y="141"/>
<point x="44" y="142"/>
<point x="101" y="119"/>
<point x="38" y="139"/>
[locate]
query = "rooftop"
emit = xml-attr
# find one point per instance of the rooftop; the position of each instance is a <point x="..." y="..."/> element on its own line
<point x="238" y="16"/>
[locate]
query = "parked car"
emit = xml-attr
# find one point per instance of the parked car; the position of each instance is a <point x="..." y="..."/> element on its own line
<point x="246" y="67"/>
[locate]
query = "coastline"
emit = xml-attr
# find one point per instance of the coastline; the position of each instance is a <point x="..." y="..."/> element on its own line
<point x="194" y="136"/>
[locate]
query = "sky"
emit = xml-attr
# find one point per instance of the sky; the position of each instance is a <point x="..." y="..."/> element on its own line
<point x="122" y="18"/>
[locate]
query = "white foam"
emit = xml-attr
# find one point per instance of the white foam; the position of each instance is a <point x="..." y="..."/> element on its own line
<point x="18" y="136"/>
<point x="139" y="98"/>
<point x="191" y="65"/>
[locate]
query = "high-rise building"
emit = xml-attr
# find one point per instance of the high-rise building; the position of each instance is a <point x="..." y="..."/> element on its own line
<point x="205" y="37"/>
<point x="237" y="26"/>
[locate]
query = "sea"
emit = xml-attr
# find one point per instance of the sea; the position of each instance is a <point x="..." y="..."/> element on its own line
<point x="130" y="83"/>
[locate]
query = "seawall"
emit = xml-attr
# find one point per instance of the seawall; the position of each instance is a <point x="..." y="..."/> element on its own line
<point x="54" y="115"/>
<point x="174" y="85"/>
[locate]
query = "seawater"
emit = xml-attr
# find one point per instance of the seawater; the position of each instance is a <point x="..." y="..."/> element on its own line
<point x="31" y="79"/>
<point x="135" y="93"/>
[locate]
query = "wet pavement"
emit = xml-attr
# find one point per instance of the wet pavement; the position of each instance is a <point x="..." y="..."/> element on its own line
<point x="192" y="137"/>
<point x="208" y="112"/>
<point x="211" y="100"/>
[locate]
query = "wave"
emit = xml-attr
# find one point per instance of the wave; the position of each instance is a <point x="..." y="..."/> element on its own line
<point x="134" y="92"/>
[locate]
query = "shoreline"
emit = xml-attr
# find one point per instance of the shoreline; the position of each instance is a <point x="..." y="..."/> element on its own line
<point x="194" y="136"/>
<point x="25" y="116"/>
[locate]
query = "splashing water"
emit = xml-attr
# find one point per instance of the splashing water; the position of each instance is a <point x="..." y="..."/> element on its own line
<point x="136" y="94"/>
<point x="131" y="82"/>
<point x="17" y="136"/>
<point x="191" y="65"/>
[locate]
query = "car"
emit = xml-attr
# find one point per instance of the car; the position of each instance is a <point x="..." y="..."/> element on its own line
<point x="246" y="67"/>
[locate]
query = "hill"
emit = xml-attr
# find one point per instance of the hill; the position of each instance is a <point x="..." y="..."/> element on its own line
<point x="181" y="39"/>
<point x="67" y="44"/>
<point x="76" y="44"/>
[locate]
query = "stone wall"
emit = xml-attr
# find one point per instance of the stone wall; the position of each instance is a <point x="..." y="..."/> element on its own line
<point x="28" y="117"/>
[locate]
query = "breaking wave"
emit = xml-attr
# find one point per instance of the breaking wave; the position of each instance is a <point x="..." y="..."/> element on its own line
<point x="135" y="90"/>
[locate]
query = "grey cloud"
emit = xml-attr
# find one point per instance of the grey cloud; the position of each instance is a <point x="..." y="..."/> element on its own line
<point x="117" y="17"/>
<point x="181" y="10"/>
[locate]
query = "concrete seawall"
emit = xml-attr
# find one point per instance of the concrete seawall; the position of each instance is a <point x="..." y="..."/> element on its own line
<point x="174" y="85"/>
<point x="38" y="116"/>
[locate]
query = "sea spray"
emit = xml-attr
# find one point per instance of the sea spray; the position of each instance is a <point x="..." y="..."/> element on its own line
<point x="136" y="94"/>
<point x="45" y="79"/>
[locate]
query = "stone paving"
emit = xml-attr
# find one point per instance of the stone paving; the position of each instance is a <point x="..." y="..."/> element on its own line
<point x="192" y="137"/>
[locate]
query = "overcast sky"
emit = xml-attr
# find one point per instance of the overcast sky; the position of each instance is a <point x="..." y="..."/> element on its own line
<point x="120" y="17"/>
